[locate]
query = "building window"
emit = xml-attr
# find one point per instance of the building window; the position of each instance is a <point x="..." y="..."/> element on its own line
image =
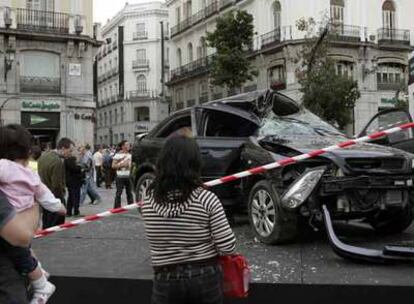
<point x="110" y="118"/>
<point x="277" y="77"/>
<point x="191" y="96"/>
<point x="142" y="114"/>
<point x="122" y="114"/>
<point x="179" y="58"/>
<point x="116" y="116"/>
<point x="100" y="120"/>
<point x="40" y="72"/>
<point x="337" y="11"/>
<point x="202" y="48"/>
<point x="141" y="28"/>
<point x="141" y="54"/>
<point x="391" y="76"/>
<point x="388" y="15"/>
<point x="41" y="5"/>
<point x="116" y="93"/>
<point x="179" y="99"/>
<point x="167" y="56"/>
<point x="141" y="83"/>
<point x="277" y="15"/>
<point x="188" y="9"/>
<point x="177" y="15"/>
<point x="190" y="52"/>
<point x="345" y="68"/>
<point x="105" y="119"/>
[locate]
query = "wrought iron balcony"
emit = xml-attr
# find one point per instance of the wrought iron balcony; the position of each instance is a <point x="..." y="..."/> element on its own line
<point x="390" y="86"/>
<point x="44" y="21"/>
<point x="271" y="38"/>
<point x="193" y="68"/>
<point x="31" y="84"/>
<point x="212" y="8"/>
<point x="140" y="35"/>
<point x="344" y="32"/>
<point x="225" y="3"/>
<point x="393" y="37"/>
<point x="140" y="64"/>
<point x="141" y="94"/>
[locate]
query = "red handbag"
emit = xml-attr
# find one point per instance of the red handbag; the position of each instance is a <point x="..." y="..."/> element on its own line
<point x="236" y="275"/>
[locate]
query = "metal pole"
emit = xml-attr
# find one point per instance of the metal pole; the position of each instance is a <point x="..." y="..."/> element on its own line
<point x="162" y="61"/>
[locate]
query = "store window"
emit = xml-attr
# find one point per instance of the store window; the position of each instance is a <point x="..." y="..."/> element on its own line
<point x="277" y="77"/>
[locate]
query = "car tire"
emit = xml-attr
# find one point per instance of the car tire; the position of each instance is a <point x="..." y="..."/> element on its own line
<point x="142" y="185"/>
<point x="270" y="224"/>
<point x="394" y="223"/>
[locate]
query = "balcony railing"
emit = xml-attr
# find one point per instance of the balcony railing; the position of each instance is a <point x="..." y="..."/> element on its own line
<point x="140" y="35"/>
<point x="34" y="20"/>
<point x="31" y="84"/>
<point x="270" y="38"/>
<point x="140" y="64"/>
<point x="140" y="94"/>
<point x="390" y="86"/>
<point x="225" y="3"/>
<point x="191" y="69"/>
<point x="393" y="37"/>
<point x="344" y="32"/>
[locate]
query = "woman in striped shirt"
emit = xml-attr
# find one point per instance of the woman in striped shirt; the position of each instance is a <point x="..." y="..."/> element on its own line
<point x="187" y="229"/>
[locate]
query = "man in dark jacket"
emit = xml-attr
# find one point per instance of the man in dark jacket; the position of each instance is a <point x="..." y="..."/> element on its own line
<point x="52" y="172"/>
<point x="74" y="180"/>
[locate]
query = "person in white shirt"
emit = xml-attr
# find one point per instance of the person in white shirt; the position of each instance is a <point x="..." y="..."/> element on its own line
<point x="122" y="162"/>
<point x="98" y="161"/>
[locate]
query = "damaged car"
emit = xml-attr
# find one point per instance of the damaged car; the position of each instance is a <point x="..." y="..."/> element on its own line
<point x="370" y="182"/>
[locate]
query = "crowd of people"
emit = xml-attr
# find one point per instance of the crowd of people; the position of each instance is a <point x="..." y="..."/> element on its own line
<point x="177" y="204"/>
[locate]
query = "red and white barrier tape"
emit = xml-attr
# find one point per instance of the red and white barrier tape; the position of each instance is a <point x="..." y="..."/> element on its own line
<point x="233" y="177"/>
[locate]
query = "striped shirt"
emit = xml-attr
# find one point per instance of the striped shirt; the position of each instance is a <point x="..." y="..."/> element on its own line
<point x="184" y="232"/>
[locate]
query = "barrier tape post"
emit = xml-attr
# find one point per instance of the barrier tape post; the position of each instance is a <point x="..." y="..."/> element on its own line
<point x="233" y="177"/>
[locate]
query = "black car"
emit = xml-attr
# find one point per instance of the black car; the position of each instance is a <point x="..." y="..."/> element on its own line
<point x="367" y="181"/>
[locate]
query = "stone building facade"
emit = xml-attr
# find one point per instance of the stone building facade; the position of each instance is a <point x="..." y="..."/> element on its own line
<point x="46" y="54"/>
<point x="371" y="43"/>
<point x="129" y="65"/>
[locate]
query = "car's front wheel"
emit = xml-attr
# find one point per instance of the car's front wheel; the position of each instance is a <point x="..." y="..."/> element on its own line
<point x="143" y="184"/>
<point x="269" y="225"/>
<point x="394" y="222"/>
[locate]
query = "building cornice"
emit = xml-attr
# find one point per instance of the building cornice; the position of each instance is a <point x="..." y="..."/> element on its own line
<point x="115" y="21"/>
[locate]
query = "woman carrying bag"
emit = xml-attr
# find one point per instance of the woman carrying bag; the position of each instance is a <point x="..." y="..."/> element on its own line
<point x="187" y="229"/>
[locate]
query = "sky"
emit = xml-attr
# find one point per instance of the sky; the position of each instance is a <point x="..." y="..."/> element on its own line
<point x="105" y="9"/>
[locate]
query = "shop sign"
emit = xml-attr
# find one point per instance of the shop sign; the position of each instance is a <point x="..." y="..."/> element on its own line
<point x="141" y="127"/>
<point x="83" y="116"/>
<point x="40" y="120"/>
<point x="75" y="69"/>
<point x="44" y="106"/>
<point x="411" y="71"/>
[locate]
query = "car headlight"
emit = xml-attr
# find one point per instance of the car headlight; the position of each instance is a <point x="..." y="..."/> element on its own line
<point x="302" y="188"/>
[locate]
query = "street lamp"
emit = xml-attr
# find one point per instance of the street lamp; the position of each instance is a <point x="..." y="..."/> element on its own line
<point x="8" y="62"/>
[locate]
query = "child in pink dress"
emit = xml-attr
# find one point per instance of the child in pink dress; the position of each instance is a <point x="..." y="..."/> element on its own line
<point x="23" y="187"/>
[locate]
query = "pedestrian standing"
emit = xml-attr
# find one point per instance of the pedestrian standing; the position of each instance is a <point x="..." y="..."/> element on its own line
<point x="186" y="227"/>
<point x="52" y="173"/>
<point x="98" y="161"/>
<point x="74" y="180"/>
<point x="122" y="162"/>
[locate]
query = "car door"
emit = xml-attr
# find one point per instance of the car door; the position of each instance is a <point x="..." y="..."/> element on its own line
<point x="148" y="148"/>
<point x="221" y="133"/>
<point x="387" y="119"/>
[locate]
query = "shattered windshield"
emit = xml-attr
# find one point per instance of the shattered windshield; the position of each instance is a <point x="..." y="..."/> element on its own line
<point x="301" y="123"/>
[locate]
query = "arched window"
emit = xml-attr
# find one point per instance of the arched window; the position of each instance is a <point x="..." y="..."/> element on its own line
<point x="190" y="52"/>
<point x="179" y="58"/>
<point x="337" y="11"/>
<point x="141" y="83"/>
<point x="277" y="15"/>
<point x="388" y="15"/>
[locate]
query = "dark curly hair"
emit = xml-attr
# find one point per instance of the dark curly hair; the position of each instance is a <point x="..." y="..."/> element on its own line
<point x="15" y="142"/>
<point x="178" y="169"/>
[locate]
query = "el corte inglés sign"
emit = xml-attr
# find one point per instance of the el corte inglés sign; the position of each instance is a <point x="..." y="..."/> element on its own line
<point x="41" y="105"/>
